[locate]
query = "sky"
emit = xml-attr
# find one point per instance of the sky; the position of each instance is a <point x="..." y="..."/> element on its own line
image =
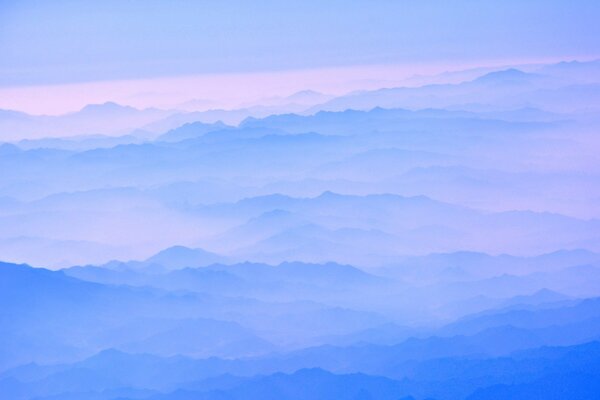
<point x="57" y="56"/>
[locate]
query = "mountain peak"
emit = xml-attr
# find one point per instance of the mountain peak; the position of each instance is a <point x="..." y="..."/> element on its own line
<point x="108" y="106"/>
<point x="181" y="257"/>
<point x="328" y="194"/>
<point x="511" y="75"/>
<point x="9" y="148"/>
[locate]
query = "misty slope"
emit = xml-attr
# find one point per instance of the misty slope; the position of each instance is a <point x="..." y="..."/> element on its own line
<point x="548" y="89"/>
<point x="428" y="242"/>
<point x="108" y="118"/>
<point x="149" y="321"/>
<point x="440" y="378"/>
<point x="37" y="304"/>
<point x="153" y="195"/>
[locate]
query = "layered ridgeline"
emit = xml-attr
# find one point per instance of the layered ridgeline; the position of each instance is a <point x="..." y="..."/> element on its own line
<point x="445" y="326"/>
<point x="432" y="242"/>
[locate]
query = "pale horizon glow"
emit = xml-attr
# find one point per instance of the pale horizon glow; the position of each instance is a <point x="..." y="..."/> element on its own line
<point x="229" y="90"/>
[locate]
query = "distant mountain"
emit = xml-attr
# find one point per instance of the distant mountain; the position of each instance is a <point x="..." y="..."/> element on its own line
<point x="483" y="188"/>
<point x="460" y="365"/>
<point x="289" y="280"/>
<point x="11" y="115"/>
<point x="528" y="319"/>
<point x="409" y="242"/>
<point x="382" y="163"/>
<point x="331" y="218"/>
<point x="106" y="109"/>
<point x="510" y="76"/>
<point x="201" y="338"/>
<point x="542" y="296"/>
<point x="574" y="71"/>
<point x="177" y="257"/>
<point x="497" y="90"/>
<point x="335" y="202"/>
<point x="400" y="125"/>
<point x="9" y="149"/>
<point x="472" y="265"/>
<point x="324" y="275"/>
<point x="108" y="119"/>
<point x="33" y="300"/>
<point x="558" y="386"/>
<point x="302" y="385"/>
<point x="455" y="377"/>
<point x="192" y="131"/>
<point x="308" y="97"/>
<point x="79" y="143"/>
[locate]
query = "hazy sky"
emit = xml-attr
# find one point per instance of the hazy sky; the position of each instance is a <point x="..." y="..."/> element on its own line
<point x="64" y="42"/>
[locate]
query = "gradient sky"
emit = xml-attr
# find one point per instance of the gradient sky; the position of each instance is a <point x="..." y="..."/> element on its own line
<point x="65" y="42"/>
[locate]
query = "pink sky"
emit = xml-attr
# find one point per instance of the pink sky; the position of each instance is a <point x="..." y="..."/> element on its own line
<point x="219" y="90"/>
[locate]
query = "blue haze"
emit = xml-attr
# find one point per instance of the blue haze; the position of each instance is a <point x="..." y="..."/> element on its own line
<point x="438" y="240"/>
